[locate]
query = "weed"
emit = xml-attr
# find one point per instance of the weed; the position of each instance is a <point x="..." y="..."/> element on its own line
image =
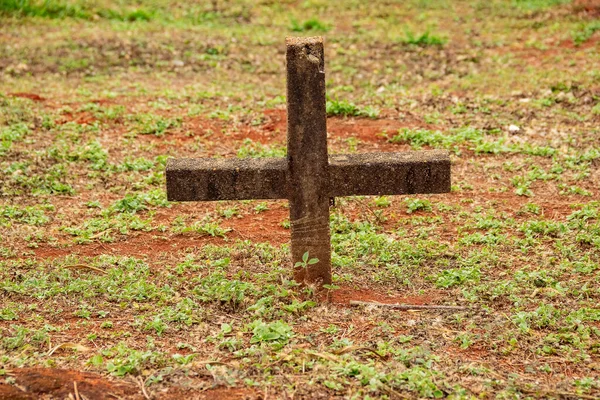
<point x="453" y="277"/>
<point x="261" y="207"/>
<point x="151" y="124"/>
<point x="277" y="332"/>
<point x="132" y="203"/>
<point x="8" y="314"/>
<point x="383" y="201"/>
<point x="306" y="261"/>
<point x="585" y="32"/>
<point x="257" y="150"/>
<point x="63" y="9"/>
<point x="534" y="5"/>
<point x="217" y="288"/>
<point x="28" y="215"/>
<point x="123" y="360"/>
<point x="413" y="205"/>
<point x="346" y="109"/>
<point x="10" y="135"/>
<point x="423" y="40"/>
<point x="312" y="24"/>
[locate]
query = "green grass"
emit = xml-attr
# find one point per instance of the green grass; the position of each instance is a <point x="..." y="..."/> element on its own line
<point x="346" y="108"/>
<point x="585" y="32"/>
<point x="310" y="25"/>
<point x="65" y="9"/>
<point x="423" y="40"/>
<point x="198" y="297"/>
<point x="533" y="5"/>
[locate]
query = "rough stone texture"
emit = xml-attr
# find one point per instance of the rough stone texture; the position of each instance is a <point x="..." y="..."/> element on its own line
<point x="202" y="179"/>
<point x="308" y="177"/>
<point x="209" y="179"/>
<point x="408" y="172"/>
<point x="307" y="157"/>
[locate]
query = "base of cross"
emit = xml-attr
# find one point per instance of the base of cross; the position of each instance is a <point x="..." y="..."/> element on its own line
<point x="308" y="177"/>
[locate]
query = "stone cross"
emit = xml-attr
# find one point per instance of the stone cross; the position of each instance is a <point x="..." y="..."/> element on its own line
<point x="308" y="177"/>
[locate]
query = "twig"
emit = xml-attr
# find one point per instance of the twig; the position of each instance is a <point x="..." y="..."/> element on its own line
<point x="394" y="392"/>
<point x="349" y="349"/>
<point x="209" y="362"/>
<point x="407" y="307"/>
<point x="140" y="382"/>
<point x="68" y="345"/>
<point x="83" y="266"/>
<point x="97" y="235"/>
<point x="240" y="234"/>
<point x="562" y="394"/>
<point x="76" y="391"/>
<point x="378" y="219"/>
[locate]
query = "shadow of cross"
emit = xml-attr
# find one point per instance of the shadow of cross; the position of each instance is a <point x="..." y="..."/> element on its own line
<point x="308" y="177"/>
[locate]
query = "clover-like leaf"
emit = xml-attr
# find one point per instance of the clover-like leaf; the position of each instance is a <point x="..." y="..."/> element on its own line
<point x="305" y="257"/>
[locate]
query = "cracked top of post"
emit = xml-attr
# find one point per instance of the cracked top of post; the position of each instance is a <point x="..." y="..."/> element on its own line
<point x="300" y="41"/>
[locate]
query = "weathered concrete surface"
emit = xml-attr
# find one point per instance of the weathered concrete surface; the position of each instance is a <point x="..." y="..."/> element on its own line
<point x="307" y="157"/>
<point x="408" y="172"/>
<point x="197" y="179"/>
<point x="209" y="179"/>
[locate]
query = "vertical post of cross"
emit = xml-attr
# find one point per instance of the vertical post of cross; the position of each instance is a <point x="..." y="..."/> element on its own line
<point x="307" y="158"/>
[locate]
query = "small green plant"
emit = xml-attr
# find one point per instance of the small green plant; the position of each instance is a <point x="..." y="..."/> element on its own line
<point x="260" y="207"/>
<point x="413" y="205"/>
<point x="8" y="314"/>
<point x="522" y="184"/>
<point x="425" y="39"/>
<point x="312" y="24"/>
<point x="133" y="203"/>
<point x="10" y="135"/>
<point x="348" y="109"/>
<point x="453" y="277"/>
<point x="125" y="361"/>
<point x="83" y="313"/>
<point x="229" y="212"/>
<point x="157" y="325"/>
<point x="465" y="340"/>
<point x="534" y="5"/>
<point x="382" y="201"/>
<point x="151" y="124"/>
<point x="254" y="149"/>
<point x="217" y="288"/>
<point x="277" y="331"/>
<point x="28" y="215"/>
<point x="530" y="208"/>
<point x="306" y="261"/>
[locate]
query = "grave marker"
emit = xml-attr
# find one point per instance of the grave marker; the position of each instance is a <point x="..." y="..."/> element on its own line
<point x="308" y="177"/>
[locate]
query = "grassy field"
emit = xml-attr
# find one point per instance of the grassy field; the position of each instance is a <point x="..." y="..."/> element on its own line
<point x="106" y="288"/>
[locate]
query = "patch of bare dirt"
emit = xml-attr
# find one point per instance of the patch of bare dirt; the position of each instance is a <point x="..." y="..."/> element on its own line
<point x="589" y="8"/>
<point x="264" y="227"/>
<point x="344" y="295"/>
<point x="228" y="136"/>
<point x="30" y="96"/>
<point x="48" y="383"/>
<point x="140" y="245"/>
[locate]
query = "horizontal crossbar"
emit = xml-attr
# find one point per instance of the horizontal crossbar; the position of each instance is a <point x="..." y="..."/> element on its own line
<point x="206" y="179"/>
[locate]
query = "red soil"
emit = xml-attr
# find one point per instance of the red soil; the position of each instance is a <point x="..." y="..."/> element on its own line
<point x="48" y="383"/>
<point x="344" y="295"/>
<point x="31" y="96"/>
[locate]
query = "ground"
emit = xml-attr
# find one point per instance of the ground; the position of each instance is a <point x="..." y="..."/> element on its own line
<point x="109" y="290"/>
